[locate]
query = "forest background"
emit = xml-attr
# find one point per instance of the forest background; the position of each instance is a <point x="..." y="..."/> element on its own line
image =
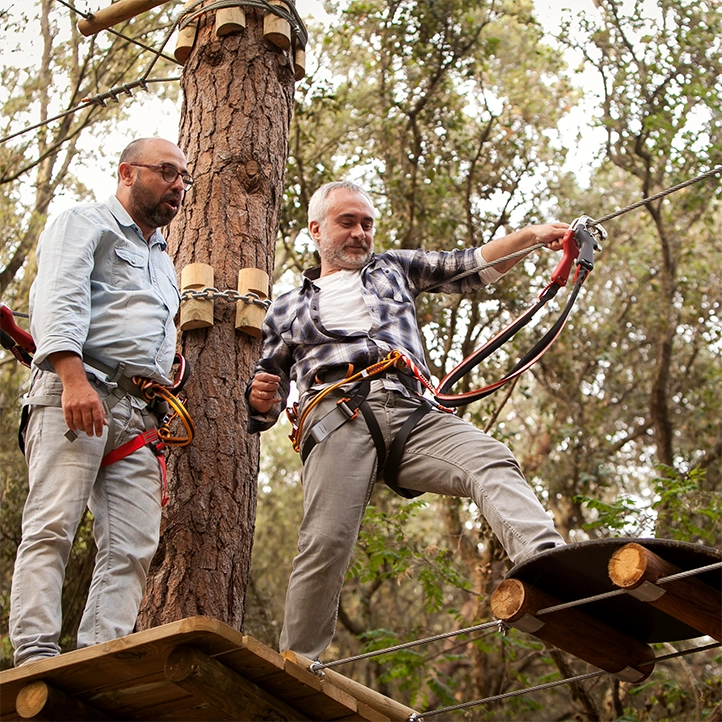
<point x="457" y="117"/>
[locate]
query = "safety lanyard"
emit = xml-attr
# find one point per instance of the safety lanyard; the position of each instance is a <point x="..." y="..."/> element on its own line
<point x="580" y="242"/>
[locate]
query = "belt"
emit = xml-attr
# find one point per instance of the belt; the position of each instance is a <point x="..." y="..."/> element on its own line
<point x="333" y="374"/>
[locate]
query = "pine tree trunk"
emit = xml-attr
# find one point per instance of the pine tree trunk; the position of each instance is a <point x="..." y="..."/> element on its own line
<point x="238" y="95"/>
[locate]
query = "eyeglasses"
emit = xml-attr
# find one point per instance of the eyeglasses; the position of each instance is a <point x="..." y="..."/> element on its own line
<point x="169" y="173"/>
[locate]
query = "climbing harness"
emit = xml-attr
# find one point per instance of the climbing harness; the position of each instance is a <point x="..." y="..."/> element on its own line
<point x="165" y="402"/>
<point x="168" y="405"/>
<point x="347" y="409"/>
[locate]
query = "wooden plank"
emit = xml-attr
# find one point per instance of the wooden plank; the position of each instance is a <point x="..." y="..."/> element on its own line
<point x="388" y="708"/>
<point x="126" y="679"/>
<point x="118" y="12"/>
<point x="517" y="603"/>
<point x="220" y="687"/>
<point x="689" y="600"/>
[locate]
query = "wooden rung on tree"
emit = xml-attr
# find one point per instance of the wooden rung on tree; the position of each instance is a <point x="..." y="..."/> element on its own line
<point x="185" y="42"/>
<point x="573" y="631"/>
<point x="249" y="316"/>
<point x="38" y="700"/>
<point x="118" y="12"/>
<point x="636" y="569"/>
<point x="196" y="312"/>
<point x="277" y="30"/>
<point x="299" y="63"/>
<point x="186" y="39"/>
<point x="229" y="21"/>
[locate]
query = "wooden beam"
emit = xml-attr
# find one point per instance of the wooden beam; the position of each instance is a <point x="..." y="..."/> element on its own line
<point x="224" y="689"/>
<point x="38" y="700"/>
<point x="633" y="567"/>
<point x="375" y="700"/>
<point x="116" y="13"/>
<point x="573" y="631"/>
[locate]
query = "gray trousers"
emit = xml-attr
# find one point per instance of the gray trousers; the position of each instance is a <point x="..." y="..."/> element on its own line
<point x="125" y="499"/>
<point x="444" y="455"/>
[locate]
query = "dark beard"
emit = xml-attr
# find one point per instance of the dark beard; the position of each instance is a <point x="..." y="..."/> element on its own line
<point x="154" y="214"/>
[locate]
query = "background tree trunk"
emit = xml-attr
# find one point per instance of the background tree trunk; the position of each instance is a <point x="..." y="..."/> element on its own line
<point x="238" y="95"/>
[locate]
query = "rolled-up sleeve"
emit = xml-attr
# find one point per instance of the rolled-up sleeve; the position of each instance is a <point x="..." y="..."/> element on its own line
<point x="60" y="304"/>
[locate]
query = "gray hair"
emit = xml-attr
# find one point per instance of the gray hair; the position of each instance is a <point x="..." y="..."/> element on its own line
<point x="319" y="203"/>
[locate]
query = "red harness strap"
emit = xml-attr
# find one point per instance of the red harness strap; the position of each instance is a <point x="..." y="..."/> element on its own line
<point x="148" y="438"/>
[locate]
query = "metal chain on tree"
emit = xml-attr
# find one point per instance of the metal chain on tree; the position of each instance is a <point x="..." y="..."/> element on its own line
<point x="209" y="293"/>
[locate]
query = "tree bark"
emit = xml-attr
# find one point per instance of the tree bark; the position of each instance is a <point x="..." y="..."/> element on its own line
<point x="238" y="95"/>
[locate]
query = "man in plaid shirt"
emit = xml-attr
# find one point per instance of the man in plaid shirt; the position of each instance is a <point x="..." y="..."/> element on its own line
<point x="350" y="313"/>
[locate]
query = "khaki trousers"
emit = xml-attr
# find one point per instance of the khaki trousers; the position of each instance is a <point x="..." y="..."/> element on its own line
<point x="444" y="455"/>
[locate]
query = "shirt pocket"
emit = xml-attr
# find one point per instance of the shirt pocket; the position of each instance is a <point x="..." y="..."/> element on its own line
<point x="389" y="286"/>
<point x="129" y="268"/>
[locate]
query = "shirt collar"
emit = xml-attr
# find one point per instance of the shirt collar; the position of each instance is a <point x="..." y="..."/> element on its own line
<point x="312" y="274"/>
<point x="124" y="219"/>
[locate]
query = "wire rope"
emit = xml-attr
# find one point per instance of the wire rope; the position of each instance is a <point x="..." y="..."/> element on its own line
<point x="548" y="685"/>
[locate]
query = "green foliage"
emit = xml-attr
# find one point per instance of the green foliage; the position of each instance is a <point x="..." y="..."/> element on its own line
<point x="693" y="514"/>
<point x="386" y="551"/>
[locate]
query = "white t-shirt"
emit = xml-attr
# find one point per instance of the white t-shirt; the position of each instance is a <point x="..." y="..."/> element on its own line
<point x="342" y="306"/>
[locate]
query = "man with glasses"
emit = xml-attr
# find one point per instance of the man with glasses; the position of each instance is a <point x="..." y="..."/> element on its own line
<point x="102" y="309"/>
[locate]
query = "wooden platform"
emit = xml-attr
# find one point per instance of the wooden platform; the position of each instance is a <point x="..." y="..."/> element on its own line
<point x="195" y="669"/>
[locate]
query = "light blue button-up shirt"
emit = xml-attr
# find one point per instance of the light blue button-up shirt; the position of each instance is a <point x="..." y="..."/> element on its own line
<point x="103" y="291"/>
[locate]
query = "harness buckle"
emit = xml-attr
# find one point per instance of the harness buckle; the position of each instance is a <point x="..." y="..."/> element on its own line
<point x="348" y="412"/>
<point x="157" y="447"/>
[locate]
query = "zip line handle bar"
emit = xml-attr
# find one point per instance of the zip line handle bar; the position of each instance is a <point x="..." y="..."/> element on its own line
<point x="579" y="243"/>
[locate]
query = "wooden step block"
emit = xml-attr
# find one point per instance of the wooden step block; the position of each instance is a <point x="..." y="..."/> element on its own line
<point x="40" y="701"/>
<point x="637" y="569"/>
<point x="517" y="603"/>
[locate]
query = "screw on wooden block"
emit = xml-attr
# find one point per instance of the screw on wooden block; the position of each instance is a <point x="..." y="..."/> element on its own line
<point x="196" y="312"/>
<point x="277" y="30"/>
<point x="229" y="21"/>
<point x="299" y="62"/>
<point x="249" y="316"/>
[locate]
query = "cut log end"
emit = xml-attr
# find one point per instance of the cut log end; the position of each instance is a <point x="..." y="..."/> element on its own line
<point x="507" y="601"/>
<point x="628" y="565"/>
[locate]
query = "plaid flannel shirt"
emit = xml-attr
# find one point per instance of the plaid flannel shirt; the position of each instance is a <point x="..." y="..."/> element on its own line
<point x="296" y="346"/>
